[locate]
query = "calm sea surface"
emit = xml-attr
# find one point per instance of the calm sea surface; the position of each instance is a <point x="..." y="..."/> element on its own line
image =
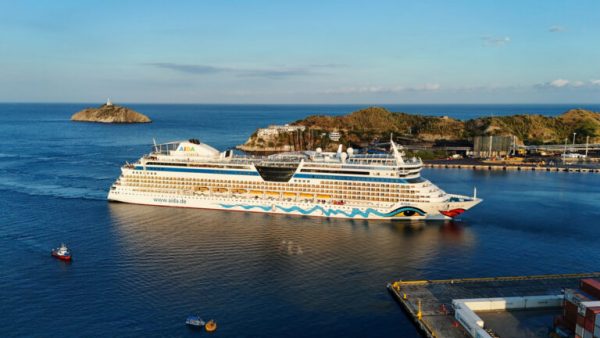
<point x="140" y="270"/>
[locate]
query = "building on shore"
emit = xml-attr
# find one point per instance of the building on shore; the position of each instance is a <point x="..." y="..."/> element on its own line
<point x="493" y="145"/>
<point x="335" y="136"/>
<point x="274" y="130"/>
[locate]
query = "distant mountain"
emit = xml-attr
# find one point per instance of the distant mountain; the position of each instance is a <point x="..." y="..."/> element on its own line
<point x="109" y="113"/>
<point x="375" y="123"/>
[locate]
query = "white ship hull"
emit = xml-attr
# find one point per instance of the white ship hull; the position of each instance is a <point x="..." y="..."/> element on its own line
<point x="424" y="211"/>
<point x="336" y="185"/>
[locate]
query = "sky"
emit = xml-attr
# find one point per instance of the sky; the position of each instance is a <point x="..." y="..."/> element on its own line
<point x="279" y="51"/>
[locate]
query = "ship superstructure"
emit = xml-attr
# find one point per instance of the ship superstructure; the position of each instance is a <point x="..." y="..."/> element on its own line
<point x="338" y="184"/>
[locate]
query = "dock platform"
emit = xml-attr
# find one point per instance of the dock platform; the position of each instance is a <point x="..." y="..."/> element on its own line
<point x="510" y="167"/>
<point x="429" y="302"/>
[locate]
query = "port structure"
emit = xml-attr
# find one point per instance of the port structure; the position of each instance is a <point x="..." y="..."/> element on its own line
<point x="429" y="303"/>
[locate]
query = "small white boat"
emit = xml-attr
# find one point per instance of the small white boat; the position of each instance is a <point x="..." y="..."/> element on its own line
<point x="194" y="320"/>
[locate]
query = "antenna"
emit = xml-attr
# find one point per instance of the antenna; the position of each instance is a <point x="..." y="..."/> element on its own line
<point x="155" y="146"/>
<point x="474" y="192"/>
<point x="395" y="151"/>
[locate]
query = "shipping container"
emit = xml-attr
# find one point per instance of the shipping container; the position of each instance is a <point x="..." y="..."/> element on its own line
<point x="481" y="333"/>
<point x="579" y="330"/>
<point x="532" y="302"/>
<point x="462" y="316"/>
<point x="591" y="315"/>
<point x="577" y="296"/>
<point x="589" y="325"/>
<point x="587" y="334"/>
<point x="590" y="286"/>
<point x="570" y="314"/>
<point x="580" y="320"/>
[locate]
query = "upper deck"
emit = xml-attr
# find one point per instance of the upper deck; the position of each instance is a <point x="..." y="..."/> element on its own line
<point x="193" y="151"/>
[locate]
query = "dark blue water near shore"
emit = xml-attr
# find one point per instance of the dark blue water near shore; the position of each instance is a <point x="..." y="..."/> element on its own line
<point x="140" y="270"/>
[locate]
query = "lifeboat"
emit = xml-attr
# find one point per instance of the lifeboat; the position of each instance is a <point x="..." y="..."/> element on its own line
<point x="273" y="193"/>
<point x="63" y="253"/>
<point x="210" y="326"/>
<point x="239" y="191"/>
<point x="201" y="188"/>
<point x="220" y="190"/>
<point x="306" y="196"/>
<point x="256" y="192"/>
<point x="323" y="196"/>
<point x="289" y="194"/>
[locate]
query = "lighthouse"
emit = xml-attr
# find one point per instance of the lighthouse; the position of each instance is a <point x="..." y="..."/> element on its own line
<point x="108" y="103"/>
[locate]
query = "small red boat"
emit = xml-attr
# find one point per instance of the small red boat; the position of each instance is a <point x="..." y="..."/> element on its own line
<point x="62" y="253"/>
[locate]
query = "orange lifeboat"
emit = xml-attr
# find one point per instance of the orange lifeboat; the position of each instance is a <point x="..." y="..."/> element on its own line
<point x="210" y="326"/>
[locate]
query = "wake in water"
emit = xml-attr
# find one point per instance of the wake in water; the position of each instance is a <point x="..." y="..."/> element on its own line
<point x="52" y="191"/>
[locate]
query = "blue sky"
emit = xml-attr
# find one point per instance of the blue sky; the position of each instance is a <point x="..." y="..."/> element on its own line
<point x="300" y="51"/>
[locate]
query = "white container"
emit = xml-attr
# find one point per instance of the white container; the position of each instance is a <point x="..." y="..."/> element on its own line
<point x="482" y="334"/>
<point x="578" y="330"/>
<point x="592" y="303"/>
<point x="569" y="296"/>
<point x="479" y="305"/>
<point x="514" y="303"/>
<point x="466" y="321"/>
<point x="532" y="302"/>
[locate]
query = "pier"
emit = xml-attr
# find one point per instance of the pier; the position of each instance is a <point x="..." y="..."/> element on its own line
<point x="429" y="302"/>
<point x="511" y="167"/>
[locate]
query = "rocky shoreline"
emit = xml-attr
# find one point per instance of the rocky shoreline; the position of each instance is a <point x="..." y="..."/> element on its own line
<point x="109" y="113"/>
<point x="375" y="124"/>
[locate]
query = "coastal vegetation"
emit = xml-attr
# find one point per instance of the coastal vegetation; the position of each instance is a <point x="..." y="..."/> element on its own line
<point x="374" y="124"/>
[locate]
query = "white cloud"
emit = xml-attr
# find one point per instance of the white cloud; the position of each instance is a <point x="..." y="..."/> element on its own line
<point x="427" y="87"/>
<point x="495" y="40"/>
<point x="385" y="89"/>
<point x="559" y="83"/>
<point x="564" y="83"/>
<point x="556" y="29"/>
<point x="577" y="83"/>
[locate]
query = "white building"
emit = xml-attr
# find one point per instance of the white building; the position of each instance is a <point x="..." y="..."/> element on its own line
<point x="335" y="136"/>
<point x="275" y="130"/>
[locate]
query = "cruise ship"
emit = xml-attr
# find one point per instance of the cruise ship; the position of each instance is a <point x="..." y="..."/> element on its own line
<point x="341" y="184"/>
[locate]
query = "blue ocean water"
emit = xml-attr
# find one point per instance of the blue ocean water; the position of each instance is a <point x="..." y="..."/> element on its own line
<point x="140" y="270"/>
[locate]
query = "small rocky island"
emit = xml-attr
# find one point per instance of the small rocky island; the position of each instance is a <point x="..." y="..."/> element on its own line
<point x="110" y="113"/>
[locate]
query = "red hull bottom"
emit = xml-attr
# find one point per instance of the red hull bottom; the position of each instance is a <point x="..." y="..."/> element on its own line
<point x="62" y="258"/>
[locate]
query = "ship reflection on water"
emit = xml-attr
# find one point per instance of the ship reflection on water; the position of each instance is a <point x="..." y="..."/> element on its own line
<point x="287" y="268"/>
<point x="190" y="233"/>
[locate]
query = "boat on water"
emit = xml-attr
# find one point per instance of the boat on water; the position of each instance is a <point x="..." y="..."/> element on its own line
<point x="194" y="320"/>
<point x="62" y="253"/>
<point x="340" y="184"/>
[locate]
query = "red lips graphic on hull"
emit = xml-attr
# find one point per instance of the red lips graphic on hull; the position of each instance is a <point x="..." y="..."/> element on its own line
<point x="453" y="212"/>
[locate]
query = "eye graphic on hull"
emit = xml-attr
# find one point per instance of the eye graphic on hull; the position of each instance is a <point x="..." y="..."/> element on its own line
<point x="408" y="212"/>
